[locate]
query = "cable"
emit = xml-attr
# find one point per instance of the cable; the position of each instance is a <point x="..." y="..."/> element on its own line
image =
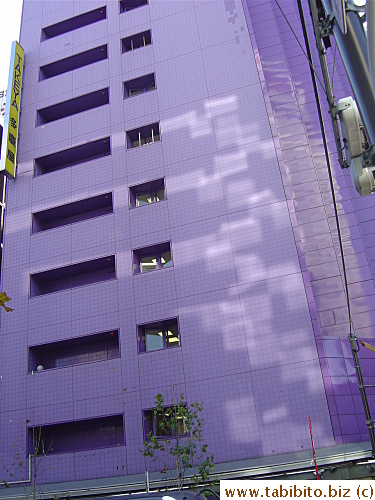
<point x="299" y="43"/>
<point x="351" y="337"/>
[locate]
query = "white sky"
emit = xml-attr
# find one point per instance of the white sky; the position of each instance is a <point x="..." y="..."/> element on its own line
<point x="9" y="31"/>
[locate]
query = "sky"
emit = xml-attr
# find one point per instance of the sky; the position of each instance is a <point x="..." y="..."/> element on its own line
<point x="9" y="31"/>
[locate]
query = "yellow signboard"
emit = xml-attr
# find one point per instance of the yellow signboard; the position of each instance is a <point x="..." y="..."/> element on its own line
<point x="12" y="113"/>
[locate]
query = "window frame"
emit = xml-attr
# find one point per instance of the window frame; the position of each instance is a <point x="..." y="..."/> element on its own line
<point x="163" y="326"/>
<point x="124" y="8"/>
<point x="155" y="251"/>
<point x="143" y="136"/>
<point x="150" y="187"/>
<point x="158" y="257"/>
<point x="153" y="196"/>
<point x="141" y="85"/>
<point x="150" y="414"/>
<point x="140" y="39"/>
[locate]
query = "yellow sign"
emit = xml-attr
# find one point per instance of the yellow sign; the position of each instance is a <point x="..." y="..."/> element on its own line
<point x="12" y="113"/>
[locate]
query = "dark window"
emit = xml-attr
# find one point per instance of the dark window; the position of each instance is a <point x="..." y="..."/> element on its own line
<point x="72" y="212"/>
<point x="143" y="136"/>
<point x="73" y="106"/>
<point x="152" y="258"/>
<point x="74" y="23"/>
<point x="147" y="193"/>
<point x="136" y="41"/>
<point x="75" y="275"/>
<point x="126" y="5"/>
<point x="74" y="62"/>
<point x="139" y="85"/>
<point x="71" y="352"/>
<point x="158" y="423"/>
<point x="80" y="435"/>
<point x="158" y="335"/>
<point x="72" y="156"/>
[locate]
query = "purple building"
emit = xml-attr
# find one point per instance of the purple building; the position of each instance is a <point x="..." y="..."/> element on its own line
<point x="172" y="223"/>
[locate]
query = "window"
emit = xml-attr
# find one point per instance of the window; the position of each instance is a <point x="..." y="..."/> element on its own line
<point x="74" y="23"/>
<point x="147" y="193"/>
<point x="158" y="423"/>
<point x="139" y="85"/>
<point x="73" y="106"/>
<point x="127" y="5"/>
<point x="73" y="276"/>
<point x="136" y="41"/>
<point x="143" y="136"/>
<point x="72" y="212"/>
<point x="73" y="62"/>
<point x="104" y="432"/>
<point x="87" y="349"/>
<point x="73" y="156"/>
<point x="159" y="335"/>
<point x="152" y="258"/>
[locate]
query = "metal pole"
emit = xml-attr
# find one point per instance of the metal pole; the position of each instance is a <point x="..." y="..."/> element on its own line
<point x="147" y="482"/>
<point x="370" y="18"/>
<point x="354" y="54"/>
<point x="352" y="339"/>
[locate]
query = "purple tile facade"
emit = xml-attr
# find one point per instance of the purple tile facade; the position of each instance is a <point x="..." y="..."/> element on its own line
<point x="255" y="281"/>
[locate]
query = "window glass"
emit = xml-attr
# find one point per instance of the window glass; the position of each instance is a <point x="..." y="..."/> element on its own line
<point x="148" y="264"/>
<point x="159" y="195"/>
<point x="166" y="259"/>
<point x="154" y="340"/>
<point x="133" y="92"/>
<point x="181" y="426"/>
<point x="144" y="199"/>
<point x="162" y="426"/>
<point x="172" y="336"/>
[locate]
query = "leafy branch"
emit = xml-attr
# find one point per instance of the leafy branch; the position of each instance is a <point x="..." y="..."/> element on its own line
<point x="177" y="432"/>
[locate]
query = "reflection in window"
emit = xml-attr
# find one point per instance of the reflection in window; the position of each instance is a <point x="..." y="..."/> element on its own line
<point x="147" y="193"/>
<point x="158" y="424"/>
<point x="156" y="336"/>
<point x="139" y="85"/>
<point x="151" y="263"/>
<point x="151" y="197"/>
<point x="152" y="258"/>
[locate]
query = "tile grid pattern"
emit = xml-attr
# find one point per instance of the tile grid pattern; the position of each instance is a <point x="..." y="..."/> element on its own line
<point x="236" y="285"/>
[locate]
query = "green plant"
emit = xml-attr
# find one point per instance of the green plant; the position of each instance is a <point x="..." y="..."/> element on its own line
<point x="177" y="432"/>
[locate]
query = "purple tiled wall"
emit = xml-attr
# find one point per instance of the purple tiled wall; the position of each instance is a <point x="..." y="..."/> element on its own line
<point x="255" y="282"/>
<point x="287" y="87"/>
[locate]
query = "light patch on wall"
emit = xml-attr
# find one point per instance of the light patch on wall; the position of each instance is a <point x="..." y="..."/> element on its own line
<point x="221" y="105"/>
<point x="258" y="198"/>
<point x="283" y="269"/>
<point x="232" y="163"/>
<point x="292" y="291"/>
<point x="195" y="180"/>
<point x="242" y="420"/>
<point x="199" y="126"/>
<point x="250" y="261"/>
<point x="215" y="250"/>
<point x="274" y="415"/>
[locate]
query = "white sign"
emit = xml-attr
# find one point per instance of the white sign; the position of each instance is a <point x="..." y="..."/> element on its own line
<point x="338" y="8"/>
